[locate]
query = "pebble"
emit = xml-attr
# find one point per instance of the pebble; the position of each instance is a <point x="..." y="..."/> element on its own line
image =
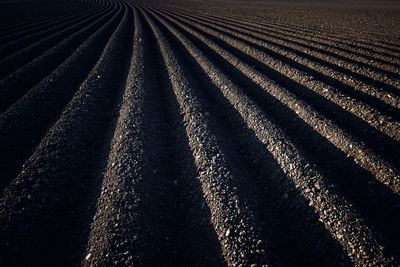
<point x="227" y="233"/>
<point x="88" y="256"/>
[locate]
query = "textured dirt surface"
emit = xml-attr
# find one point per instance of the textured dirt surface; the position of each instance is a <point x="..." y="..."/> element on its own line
<point x="184" y="133"/>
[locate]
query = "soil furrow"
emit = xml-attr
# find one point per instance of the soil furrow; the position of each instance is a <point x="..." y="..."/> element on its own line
<point x="298" y="169"/>
<point x="351" y="146"/>
<point x="230" y="217"/>
<point x="295" y="243"/>
<point x="14" y="86"/>
<point x="59" y="190"/>
<point x="378" y="205"/>
<point x="16" y="60"/>
<point x="17" y="43"/>
<point x="318" y="34"/>
<point x="19" y="129"/>
<point x="143" y="157"/>
<point x="320" y="63"/>
<point x="373" y="40"/>
<point x="36" y="25"/>
<point x="47" y="13"/>
<point x="263" y="29"/>
<point x="317" y="39"/>
<point x="347" y="84"/>
<point x="344" y="105"/>
<point x="183" y="133"/>
<point x="283" y="35"/>
<point x="386" y="67"/>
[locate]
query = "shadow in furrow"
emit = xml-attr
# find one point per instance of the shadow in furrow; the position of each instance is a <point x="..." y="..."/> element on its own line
<point x="262" y="182"/>
<point x="326" y="79"/>
<point x="315" y="35"/>
<point x="331" y="54"/>
<point x="361" y="77"/>
<point x="185" y="236"/>
<point x="295" y="35"/>
<point x="46" y="207"/>
<point x="381" y="143"/>
<point x="20" y="128"/>
<point x="16" y="60"/>
<point x="374" y="200"/>
<point x="18" y="83"/>
<point x="292" y="39"/>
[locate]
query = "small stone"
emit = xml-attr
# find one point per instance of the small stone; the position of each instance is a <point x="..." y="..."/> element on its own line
<point x="98" y="76"/>
<point x="88" y="256"/>
<point x="227" y="233"/>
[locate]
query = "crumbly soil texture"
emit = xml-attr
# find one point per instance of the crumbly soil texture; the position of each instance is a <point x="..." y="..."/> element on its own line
<point x="192" y="133"/>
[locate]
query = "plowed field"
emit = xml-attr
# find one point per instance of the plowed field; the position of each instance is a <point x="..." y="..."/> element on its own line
<point x="199" y="134"/>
